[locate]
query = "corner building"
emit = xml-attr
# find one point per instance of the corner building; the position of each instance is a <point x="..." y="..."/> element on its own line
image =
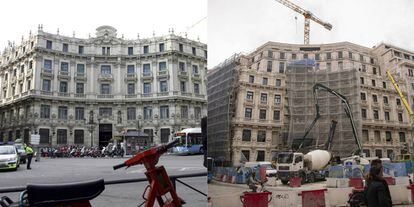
<point x="256" y="112"/>
<point x="76" y="91"/>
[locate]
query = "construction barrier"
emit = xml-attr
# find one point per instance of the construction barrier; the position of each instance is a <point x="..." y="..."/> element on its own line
<point x="356" y="183"/>
<point x="295" y="197"/>
<point x="285" y="198"/>
<point x="400" y="195"/>
<point x="338" y="196"/>
<point x="411" y="187"/>
<point x="260" y="199"/>
<point x="295" y="181"/>
<point x="237" y="175"/>
<point x="390" y="180"/>
<point x="313" y="198"/>
<point x="391" y="169"/>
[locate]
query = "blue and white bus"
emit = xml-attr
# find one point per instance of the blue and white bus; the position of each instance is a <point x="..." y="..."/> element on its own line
<point x="191" y="142"/>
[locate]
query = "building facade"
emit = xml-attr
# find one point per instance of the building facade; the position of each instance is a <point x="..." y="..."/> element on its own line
<point x="260" y="125"/>
<point x="76" y="91"/>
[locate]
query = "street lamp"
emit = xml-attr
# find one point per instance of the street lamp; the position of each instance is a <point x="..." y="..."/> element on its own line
<point x="91" y="126"/>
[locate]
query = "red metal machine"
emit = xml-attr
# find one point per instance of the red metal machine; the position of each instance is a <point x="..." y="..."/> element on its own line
<point x="160" y="184"/>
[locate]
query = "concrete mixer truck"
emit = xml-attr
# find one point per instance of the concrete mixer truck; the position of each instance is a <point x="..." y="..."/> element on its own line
<point x="310" y="167"/>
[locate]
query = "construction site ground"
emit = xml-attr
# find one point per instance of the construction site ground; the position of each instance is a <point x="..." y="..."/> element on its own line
<point x="224" y="194"/>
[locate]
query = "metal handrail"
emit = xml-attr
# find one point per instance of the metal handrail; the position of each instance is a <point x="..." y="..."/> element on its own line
<point x="115" y="182"/>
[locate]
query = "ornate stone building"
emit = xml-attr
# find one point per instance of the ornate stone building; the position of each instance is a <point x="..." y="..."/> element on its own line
<point x="256" y="119"/>
<point x="85" y="91"/>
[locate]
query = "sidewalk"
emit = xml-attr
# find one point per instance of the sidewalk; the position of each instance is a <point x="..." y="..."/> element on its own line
<point x="228" y="194"/>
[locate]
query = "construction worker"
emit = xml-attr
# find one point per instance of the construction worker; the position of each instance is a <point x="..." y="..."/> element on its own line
<point x="29" y="152"/>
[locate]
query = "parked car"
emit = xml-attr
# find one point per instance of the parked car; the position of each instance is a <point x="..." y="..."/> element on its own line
<point x="9" y="157"/>
<point x="22" y="152"/>
<point x="270" y="170"/>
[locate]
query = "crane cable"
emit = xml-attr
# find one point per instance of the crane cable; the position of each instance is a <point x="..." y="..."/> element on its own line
<point x="193" y="25"/>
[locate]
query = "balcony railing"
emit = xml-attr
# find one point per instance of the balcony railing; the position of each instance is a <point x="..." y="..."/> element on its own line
<point x="186" y="94"/>
<point x="163" y="73"/>
<point x="105" y="77"/>
<point x="131" y="77"/>
<point x="183" y="74"/>
<point x="146" y="95"/>
<point x="29" y="72"/>
<point x="162" y="94"/>
<point x="13" y="80"/>
<point x="131" y="96"/>
<point x="80" y="76"/>
<point x="147" y="74"/>
<point x="63" y="73"/>
<point x="20" y="77"/>
<point x="80" y="95"/>
<point x="196" y="76"/>
<point x="49" y="93"/>
<point x="47" y="73"/>
<point x="63" y="94"/>
<point x="105" y="96"/>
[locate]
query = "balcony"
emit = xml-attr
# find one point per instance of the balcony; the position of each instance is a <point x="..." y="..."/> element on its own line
<point x="46" y="73"/>
<point x="105" y="77"/>
<point x="64" y="75"/>
<point x="162" y="94"/>
<point x="29" y="73"/>
<point x="13" y="80"/>
<point x="80" y="77"/>
<point x="20" y="78"/>
<point x="146" y="95"/>
<point x="196" y="77"/>
<point x="147" y="76"/>
<point x="263" y="104"/>
<point x="131" y="77"/>
<point x="162" y="74"/>
<point x="16" y="96"/>
<point x="199" y="95"/>
<point x="183" y="74"/>
<point x="131" y="96"/>
<point x="48" y="93"/>
<point x="249" y="102"/>
<point x="186" y="94"/>
<point x="106" y="96"/>
<point x="63" y="94"/>
<point x="80" y="95"/>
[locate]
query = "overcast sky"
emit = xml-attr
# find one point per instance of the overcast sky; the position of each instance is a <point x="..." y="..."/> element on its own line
<point x="243" y="25"/>
<point x="129" y="17"/>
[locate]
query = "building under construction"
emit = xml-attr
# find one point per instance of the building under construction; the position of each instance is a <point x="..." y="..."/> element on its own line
<point x="259" y="103"/>
<point x="301" y="76"/>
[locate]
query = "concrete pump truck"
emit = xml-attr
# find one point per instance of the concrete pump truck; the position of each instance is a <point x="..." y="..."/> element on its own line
<point x="309" y="167"/>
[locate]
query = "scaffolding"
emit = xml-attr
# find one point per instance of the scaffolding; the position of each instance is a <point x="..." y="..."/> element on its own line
<point x="301" y="76"/>
<point x="222" y="84"/>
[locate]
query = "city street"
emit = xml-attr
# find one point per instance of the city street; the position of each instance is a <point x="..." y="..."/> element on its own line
<point x="61" y="170"/>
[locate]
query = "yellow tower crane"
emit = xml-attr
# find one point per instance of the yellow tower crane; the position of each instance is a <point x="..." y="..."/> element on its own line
<point x="400" y="93"/>
<point x="308" y="16"/>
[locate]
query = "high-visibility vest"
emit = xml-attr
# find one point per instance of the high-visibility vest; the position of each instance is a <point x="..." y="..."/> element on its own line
<point x="29" y="150"/>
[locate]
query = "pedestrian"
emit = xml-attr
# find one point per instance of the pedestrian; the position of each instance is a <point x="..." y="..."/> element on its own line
<point x="252" y="182"/>
<point x="29" y="152"/>
<point x="377" y="192"/>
